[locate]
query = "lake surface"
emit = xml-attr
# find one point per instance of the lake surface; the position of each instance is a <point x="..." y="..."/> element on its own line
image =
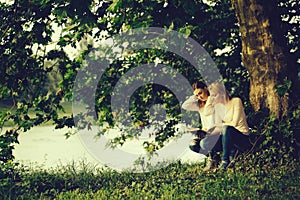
<point x="47" y="147"/>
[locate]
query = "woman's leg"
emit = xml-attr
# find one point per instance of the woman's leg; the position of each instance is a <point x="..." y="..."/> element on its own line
<point x="213" y="145"/>
<point x="232" y="138"/>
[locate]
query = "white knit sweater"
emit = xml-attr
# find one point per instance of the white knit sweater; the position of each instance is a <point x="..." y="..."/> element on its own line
<point x="191" y="104"/>
<point x="231" y="114"/>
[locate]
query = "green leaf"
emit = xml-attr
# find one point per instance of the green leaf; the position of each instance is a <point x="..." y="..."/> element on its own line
<point x="115" y="5"/>
<point x="283" y="88"/>
<point x="171" y="27"/>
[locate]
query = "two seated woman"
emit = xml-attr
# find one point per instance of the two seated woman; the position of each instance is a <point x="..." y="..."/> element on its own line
<point x="223" y="118"/>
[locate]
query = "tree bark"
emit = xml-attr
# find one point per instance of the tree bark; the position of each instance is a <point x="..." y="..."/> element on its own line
<point x="265" y="55"/>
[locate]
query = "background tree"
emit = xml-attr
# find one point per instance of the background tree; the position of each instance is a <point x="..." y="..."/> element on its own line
<point x="269" y="33"/>
<point x="270" y="52"/>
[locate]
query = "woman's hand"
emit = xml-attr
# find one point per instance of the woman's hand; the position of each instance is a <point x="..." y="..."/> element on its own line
<point x="215" y="131"/>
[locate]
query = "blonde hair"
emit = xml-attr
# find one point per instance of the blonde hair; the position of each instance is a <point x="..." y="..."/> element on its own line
<point x="219" y="88"/>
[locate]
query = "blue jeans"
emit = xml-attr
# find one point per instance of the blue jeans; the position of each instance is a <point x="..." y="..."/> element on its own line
<point x="195" y="146"/>
<point x="231" y="139"/>
<point x="212" y="144"/>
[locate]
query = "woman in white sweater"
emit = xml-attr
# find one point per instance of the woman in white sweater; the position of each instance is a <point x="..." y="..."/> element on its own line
<point x="206" y="145"/>
<point x="234" y="127"/>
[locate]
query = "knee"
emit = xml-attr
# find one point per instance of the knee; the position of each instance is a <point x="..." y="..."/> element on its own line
<point x="203" y="144"/>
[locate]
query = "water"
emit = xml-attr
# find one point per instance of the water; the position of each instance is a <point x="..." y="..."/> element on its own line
<point x="46" y="147"/>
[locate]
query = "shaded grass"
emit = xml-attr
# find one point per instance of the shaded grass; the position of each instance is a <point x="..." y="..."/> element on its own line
<point x="177" y="181"/>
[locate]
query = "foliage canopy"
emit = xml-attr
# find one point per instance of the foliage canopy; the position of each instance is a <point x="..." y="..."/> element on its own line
<point x="47" y="41"/>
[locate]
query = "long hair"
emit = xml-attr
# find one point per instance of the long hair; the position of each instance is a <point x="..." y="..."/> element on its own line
<point x="220" y="88"/>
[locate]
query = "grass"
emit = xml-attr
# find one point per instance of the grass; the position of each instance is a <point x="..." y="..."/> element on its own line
<point x="177" y="181"/>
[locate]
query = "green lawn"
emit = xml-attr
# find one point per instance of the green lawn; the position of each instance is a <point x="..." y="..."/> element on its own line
<point x="177" y="181"/>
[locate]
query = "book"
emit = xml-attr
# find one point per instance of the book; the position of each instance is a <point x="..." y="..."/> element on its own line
<point x="199" y="132"/>
<point x="192" y="129"/>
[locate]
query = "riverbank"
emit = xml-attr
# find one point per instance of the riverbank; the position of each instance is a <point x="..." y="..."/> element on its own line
<point x="47" y="147"/>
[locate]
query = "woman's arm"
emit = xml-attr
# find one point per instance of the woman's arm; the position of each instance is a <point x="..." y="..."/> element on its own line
<point x="209" y="106"/>
<point x="237" y="112"/>
<point x="216" y="131"/>
<point x="191" y="104"/>
<point x="237" y="116"/>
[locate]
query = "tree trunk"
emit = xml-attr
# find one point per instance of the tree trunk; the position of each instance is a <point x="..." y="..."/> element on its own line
<point x="265" y="55"/>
